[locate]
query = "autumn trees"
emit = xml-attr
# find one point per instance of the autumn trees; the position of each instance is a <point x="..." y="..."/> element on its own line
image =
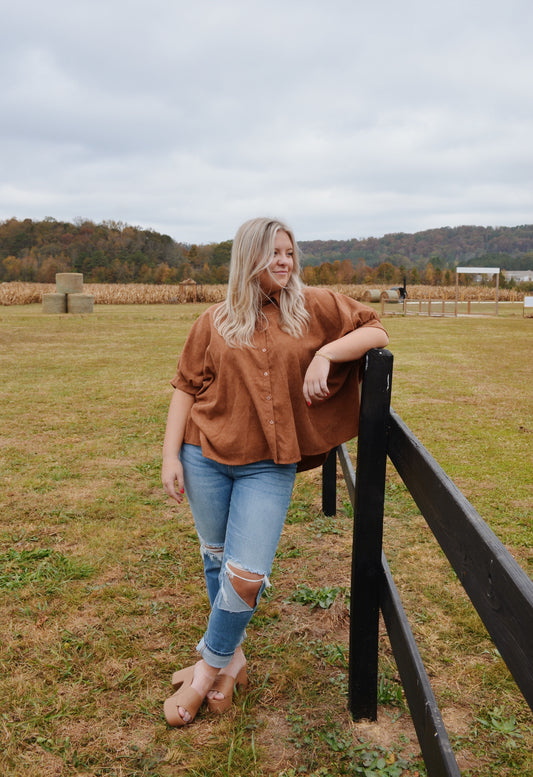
<point x="114" y="252"/>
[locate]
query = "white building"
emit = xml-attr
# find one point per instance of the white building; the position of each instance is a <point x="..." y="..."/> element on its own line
<point x="519" y="276"/>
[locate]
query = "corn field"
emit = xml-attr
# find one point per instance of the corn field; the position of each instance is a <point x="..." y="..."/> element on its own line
<point x="21" y="293"/>
<point x="421" y="292"/>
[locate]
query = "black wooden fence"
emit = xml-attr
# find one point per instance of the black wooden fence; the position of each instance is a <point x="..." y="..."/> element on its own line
<point x="499" y="589"/>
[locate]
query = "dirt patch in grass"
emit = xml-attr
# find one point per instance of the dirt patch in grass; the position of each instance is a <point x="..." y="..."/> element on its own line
<point x="387" y="731"/>
<point x="273" y="738"/>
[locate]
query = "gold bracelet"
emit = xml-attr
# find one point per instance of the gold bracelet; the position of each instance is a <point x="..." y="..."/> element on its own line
<point x="318" y="353"/>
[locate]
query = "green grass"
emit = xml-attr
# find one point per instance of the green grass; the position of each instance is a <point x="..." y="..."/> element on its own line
<point x="101" y="593"/>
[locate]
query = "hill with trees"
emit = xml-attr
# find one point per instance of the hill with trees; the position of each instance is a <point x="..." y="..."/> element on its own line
<point x="446" y="246"/>
<point x="113" y="252"/>
<point x="110" y="252"/>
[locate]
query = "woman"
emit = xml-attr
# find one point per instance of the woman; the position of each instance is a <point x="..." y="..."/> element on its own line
<point x="267" y="383"/>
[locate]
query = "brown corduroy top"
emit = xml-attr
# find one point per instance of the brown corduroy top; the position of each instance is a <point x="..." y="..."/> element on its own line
<point x="249" y="403"/>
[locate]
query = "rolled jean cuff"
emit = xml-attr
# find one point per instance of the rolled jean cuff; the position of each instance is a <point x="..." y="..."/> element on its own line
<point x="214" y="659"/>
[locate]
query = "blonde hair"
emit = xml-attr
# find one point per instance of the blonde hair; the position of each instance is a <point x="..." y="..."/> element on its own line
<point x="253" y="249"/>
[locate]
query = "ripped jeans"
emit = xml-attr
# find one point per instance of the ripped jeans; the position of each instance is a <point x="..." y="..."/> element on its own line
<point x="239" y="512"/>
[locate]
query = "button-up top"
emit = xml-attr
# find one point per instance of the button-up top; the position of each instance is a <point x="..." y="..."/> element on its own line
<point x="249" y="403"/>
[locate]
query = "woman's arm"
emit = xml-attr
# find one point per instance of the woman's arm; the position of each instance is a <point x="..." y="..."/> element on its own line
<point x="352" y="346"/>
<point x="355" y="344"/>
<point x="172" y="470"/>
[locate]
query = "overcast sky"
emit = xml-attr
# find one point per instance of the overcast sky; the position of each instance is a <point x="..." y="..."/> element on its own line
<point x="347" y="118"/>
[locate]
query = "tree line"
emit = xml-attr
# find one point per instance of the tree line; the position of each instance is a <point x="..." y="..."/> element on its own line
<point x="114" y="252"/>
<point x="445" y="247"/>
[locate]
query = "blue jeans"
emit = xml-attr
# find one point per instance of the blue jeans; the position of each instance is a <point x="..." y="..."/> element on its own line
<point x="239" y="512"/>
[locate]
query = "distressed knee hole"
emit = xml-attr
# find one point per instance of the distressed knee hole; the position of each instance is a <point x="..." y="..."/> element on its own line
<point x="229" y="599"/>
<point x="248" y="585"/>
<point x="214" y="552"/>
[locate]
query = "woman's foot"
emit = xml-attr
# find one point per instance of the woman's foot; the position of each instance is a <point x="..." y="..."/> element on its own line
<point x="220" y="696"/>
<point x="193" y="684"/>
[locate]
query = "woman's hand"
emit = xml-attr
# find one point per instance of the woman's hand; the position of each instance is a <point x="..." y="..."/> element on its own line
<point x="347" y="348"/>
<point x="172" y="478"/>
<point x="172" y="471"/>
<point x="316" y="379"/>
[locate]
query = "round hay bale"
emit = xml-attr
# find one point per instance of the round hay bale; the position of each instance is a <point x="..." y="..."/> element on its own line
<point x="371" y="295"/>
<point x="54" y="303"/>
<point x="80" y="303"/>
<point x="391" y="295"/>
<point x="69" y="282"/>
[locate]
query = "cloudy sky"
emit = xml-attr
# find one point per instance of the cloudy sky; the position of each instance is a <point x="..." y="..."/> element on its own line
<point x="347" y="118"/>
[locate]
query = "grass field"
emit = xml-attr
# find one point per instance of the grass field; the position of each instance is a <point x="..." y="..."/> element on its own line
<point x="100" y="577"/>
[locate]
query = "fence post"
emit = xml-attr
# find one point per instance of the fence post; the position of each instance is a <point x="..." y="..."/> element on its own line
<point x="368" y="533"/>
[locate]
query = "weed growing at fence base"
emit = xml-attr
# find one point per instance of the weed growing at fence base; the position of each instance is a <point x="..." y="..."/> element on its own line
<point x="100" y="577"/>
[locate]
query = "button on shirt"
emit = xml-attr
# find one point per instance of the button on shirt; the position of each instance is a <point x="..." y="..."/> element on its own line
<point x="249" y="403"/>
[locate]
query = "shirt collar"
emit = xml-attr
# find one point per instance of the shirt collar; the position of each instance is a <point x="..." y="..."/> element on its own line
<point x="272" y="299"/>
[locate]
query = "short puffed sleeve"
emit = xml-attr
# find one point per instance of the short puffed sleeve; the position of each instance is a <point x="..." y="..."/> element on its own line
<point x="194" y="368"/>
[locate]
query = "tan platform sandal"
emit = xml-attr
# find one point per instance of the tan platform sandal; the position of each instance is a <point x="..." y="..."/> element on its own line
<point x="226" y="684"/>
<point x="185" y="697"/>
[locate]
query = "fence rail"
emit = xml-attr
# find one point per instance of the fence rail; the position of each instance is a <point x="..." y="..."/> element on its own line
<point x="498" y="588"/>
<point x="437" y="306"/>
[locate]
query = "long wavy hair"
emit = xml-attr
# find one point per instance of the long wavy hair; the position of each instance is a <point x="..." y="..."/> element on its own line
<point x="242" y="311"/>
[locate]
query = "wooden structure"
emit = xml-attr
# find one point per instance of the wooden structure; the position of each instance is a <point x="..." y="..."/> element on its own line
<point x="477" y="271"/>
<point x="430" y="307"/>
<point x="189" y="290"/>
<point x="498" y="588"/>
<point x="433" y="307"/>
